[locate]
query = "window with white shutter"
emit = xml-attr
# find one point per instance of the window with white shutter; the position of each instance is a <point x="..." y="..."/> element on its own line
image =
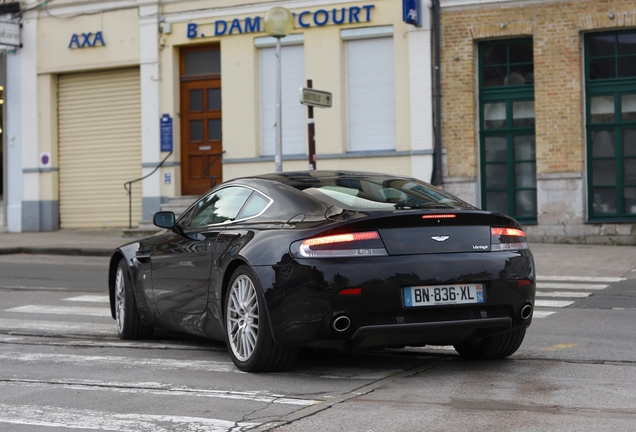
<point x="294" y="114"/>
<point x="370" y="90"/>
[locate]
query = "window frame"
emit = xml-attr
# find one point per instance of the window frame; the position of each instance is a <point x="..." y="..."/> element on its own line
<point x="615" y="87"/>
<point x="508" y="94"/>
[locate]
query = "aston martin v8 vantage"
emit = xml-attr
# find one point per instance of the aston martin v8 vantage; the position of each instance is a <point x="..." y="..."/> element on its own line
<point x="337" y="260"/>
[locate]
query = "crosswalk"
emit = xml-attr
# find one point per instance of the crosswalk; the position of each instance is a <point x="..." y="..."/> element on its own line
<point x="70" y="348"/>
<point x="86" y="323"/>
<point x="567" y="289"/>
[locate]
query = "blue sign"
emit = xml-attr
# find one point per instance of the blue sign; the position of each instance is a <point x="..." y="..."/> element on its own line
<point x="318" y="18"/>
<point x="165" y="127"/>
<point x="412" y="12"/>
<point x="88" y="40"/>
<point x="167" y="178"/>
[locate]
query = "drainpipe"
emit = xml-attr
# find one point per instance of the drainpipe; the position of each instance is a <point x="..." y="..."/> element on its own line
<point x="437" y="155"/>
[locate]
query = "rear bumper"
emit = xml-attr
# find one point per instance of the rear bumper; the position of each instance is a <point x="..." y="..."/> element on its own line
<point x="303" y="298"/>
<point x="428" y="333"/>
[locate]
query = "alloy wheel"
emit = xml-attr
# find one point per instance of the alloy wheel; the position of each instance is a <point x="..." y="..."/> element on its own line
<point x="242" y="317"/>
<point x="120" y="299"/>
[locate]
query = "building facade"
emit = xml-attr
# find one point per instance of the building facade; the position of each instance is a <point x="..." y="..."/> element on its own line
<point x="111" y="89"/>
<point x="539" y="114"/>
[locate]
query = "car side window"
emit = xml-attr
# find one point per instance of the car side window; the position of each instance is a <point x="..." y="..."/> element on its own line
<point x="254" y="205"/>
<point x="219" y="207"/>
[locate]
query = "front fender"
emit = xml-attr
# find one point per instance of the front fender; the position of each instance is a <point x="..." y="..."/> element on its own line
<point x="142" y="287"/>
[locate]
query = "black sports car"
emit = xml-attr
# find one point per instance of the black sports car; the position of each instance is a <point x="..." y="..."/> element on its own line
<point x="343" y="260"/>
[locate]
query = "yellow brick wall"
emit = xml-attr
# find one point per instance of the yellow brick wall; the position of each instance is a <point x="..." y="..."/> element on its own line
<point x="557" y="30"/>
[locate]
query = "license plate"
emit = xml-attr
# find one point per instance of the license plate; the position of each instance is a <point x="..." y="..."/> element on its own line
<point x="443" y="295"/>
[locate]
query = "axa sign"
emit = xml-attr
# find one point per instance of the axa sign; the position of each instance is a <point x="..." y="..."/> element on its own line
<point x="87" y="40"/>
<point x="304" y="19"/>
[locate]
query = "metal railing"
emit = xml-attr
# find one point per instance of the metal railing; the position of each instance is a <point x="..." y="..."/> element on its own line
<point x="128" y="187"/>
<point x="206" y="174"/>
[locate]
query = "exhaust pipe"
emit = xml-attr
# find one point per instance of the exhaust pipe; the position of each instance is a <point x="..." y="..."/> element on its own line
<point x="526" y="312"/>
<point x="341" y="323"/>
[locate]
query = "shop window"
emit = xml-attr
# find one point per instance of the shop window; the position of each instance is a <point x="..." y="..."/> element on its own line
<point x="507" y="134"/>
<point x="611" y="125"/>
<point x="370" y="92"/>
<point x="294" y="114"/>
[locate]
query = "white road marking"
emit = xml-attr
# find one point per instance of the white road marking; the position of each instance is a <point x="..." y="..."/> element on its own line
<point x="175" y="345"/>
<point x="541" y="314"/>
<point x="580" y="278"/>
<point x="49" y="416"/>
<point x="121" y="362"/>
<point x="62" y="310"/>
<point x="565" y="294"/>
<point x="160" y="389"/>
<point x="60" y="328"/>
<point x="89" y="298"/>
<point x="18" y="287"/>
<point x="552" y="303"/>
<point x="551" y="285"/>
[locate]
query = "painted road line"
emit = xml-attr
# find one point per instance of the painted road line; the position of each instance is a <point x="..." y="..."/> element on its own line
<point x="541" y="314"/>
<point x="62" y="310"/>
<point x="353" y="372"/>
<point x="159" y="389"/>
<point x="176" y="345"/>
<point x="580" y="278"/>
<point x="49" y="416"/>
<point x="120" y="362"/>
<point x="551" y="285"/>
<point x="552" y="303"/>
<point x="89" y="299"/>
<point x="26" y="288"/>
<point x="15" y="326"/>
<point x="564" y="294"/>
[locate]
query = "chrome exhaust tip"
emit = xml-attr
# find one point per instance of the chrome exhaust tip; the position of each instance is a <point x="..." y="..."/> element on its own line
<point x="341" y="323"/>
<point x="526" y="312"/>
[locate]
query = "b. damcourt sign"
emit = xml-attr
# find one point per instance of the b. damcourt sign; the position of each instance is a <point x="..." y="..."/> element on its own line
<point x="304" y="19"/>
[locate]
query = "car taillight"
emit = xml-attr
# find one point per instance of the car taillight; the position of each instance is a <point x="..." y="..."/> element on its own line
<point x="502" y="239"/>
<point x="340" y="245"/>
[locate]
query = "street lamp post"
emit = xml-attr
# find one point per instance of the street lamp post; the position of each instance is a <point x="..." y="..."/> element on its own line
<point x="279" y="22"/>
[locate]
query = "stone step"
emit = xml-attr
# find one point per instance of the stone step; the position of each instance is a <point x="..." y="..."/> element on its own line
<point x="177" y="205"/>
<point x="183" y="201"/>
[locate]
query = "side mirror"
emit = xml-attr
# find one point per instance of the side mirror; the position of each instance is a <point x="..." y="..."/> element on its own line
<point x="164" y="219"/>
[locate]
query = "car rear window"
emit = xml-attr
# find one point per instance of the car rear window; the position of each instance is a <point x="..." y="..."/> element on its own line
<point x="381" y="193"/>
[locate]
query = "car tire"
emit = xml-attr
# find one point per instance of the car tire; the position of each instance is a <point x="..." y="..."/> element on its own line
<point x="493" y="347"/>
<point x="129" y="324"/>
<point x="249" y="337"/>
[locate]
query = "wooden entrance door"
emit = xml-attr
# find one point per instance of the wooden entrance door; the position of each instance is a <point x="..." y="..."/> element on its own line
<point x="201" y="139"/>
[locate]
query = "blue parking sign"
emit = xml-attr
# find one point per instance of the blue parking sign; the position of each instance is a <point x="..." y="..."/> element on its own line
<point x="165" y="127"/>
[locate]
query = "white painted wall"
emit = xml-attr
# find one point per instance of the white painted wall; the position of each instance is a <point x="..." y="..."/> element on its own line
<point x="13" y="133"/>
<point x="149" y="71"/>
<point x="29" y="107"/>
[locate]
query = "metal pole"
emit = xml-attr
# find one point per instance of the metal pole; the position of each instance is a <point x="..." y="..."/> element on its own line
<point x="437" y="179"/>
<point x="311" y="133"/>
<point x="278" y="158"/>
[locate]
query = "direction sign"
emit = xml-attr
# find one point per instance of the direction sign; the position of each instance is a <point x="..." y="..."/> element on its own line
<point x="315" y="98"/>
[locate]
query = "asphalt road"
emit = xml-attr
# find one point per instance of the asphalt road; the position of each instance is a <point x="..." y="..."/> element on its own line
<point x="62" y="367"/>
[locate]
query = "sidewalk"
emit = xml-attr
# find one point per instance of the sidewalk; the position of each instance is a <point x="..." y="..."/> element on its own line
<point x="97" y="242"/>
<point x="551" y="259"/>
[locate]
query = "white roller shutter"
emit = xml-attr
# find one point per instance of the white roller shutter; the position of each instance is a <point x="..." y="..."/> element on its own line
<point x="370" y="94"/>
<point x="294" y="114"/>
<point x="99" y="126"/>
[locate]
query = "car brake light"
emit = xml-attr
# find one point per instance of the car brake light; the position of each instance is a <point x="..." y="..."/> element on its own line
<point x="503" y="239"/>
<point x="439" y="216"/>
<point x="340" y="245"/>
